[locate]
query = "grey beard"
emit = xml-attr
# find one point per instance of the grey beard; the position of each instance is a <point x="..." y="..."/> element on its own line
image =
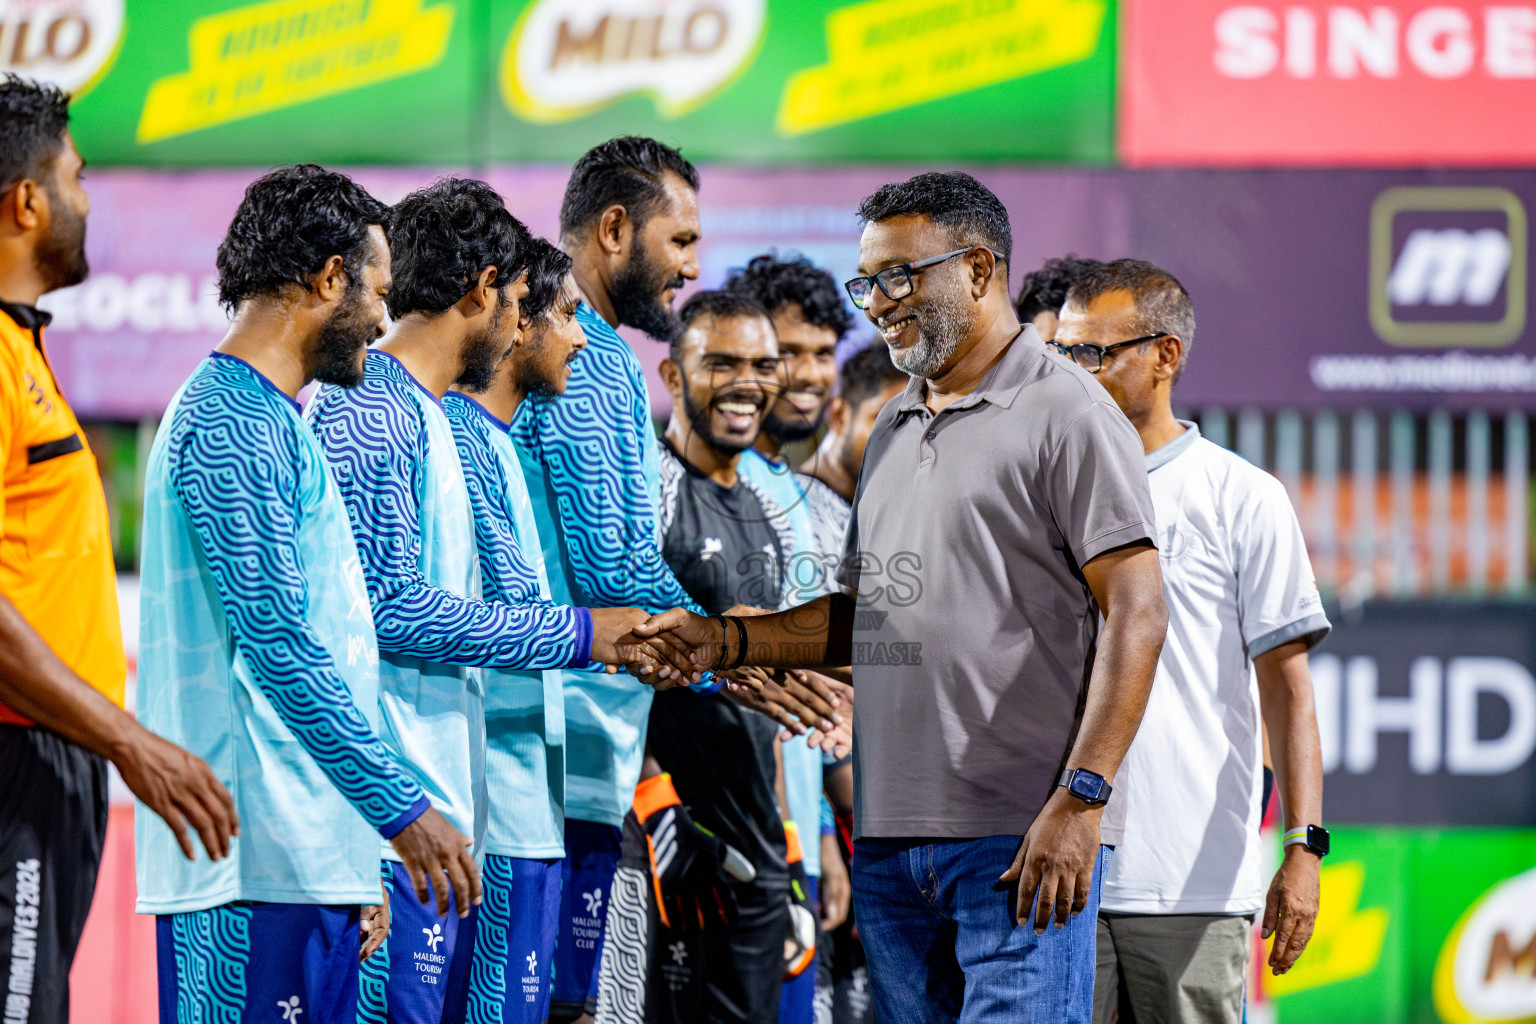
<point x="942" y="325"/>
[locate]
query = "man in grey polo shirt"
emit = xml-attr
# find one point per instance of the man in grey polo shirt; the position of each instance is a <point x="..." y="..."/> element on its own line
<point x="1002" y="508"/>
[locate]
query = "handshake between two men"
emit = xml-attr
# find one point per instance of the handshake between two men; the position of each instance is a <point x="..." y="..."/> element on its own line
<point x="765" y="668"/>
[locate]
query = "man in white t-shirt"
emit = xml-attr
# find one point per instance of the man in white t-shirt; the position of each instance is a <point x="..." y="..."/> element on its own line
<point x="1183" y="887"/>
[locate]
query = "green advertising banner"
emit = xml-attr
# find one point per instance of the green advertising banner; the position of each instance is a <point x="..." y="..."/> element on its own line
<point x="346" y="81"/>
<point x="818" y="80"/>
<point x="200" y="82"/>
<point x="1419" y="926"/>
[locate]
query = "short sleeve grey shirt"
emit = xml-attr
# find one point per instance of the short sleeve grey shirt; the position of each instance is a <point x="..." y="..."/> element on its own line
<point x="975" y="630"/>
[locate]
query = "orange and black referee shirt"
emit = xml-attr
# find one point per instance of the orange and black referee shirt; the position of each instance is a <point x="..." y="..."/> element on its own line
<point x="55" y="548"/>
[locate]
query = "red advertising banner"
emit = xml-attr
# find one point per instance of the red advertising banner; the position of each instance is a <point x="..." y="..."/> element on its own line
<point x="1395" y="83"/>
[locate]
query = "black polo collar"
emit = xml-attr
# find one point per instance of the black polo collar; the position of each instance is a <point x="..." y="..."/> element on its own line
<point x="27" y="317"/>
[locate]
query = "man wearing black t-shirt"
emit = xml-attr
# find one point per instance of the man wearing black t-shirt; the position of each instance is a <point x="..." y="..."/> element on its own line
<point x="722" y="538"/>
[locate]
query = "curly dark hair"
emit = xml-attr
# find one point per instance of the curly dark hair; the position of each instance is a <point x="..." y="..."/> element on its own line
<point x="547" y="267"/>
<point x="868" y="372"/>
<point x="33" y="119"/>
<point x="953" y="199"/>
<point x="721" y="304"/>
<point x="1045" y="290"/>
<point x="626" y="171"/>
<point x="779" y="283"/>
<point x="290" y="222"/>
<point x="443" y="236"/>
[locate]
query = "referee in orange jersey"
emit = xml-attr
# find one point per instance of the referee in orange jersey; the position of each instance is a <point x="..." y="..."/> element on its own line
<point x="61" y="648"/>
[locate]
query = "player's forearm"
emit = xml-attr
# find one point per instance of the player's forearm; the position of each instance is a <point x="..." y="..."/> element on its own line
<point x="1285" y="700"/>
<point x="35" y="683"/>
<point x="817" y="634"/>
<point x="427" y="622"/>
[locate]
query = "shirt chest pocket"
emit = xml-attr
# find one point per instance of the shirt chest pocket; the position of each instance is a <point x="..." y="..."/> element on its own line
<point x="47" y="464"/>
<point x="47" y="430"/>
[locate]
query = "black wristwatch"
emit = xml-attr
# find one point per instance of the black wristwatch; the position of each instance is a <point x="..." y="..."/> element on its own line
<point x="1313" y="837"/>
<point x="1087" y="786"/>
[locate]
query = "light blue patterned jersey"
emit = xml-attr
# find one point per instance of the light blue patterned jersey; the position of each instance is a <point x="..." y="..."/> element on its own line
<point x="594" y="487"/>
<point x="393" y="456"/>
<point x="257" y="653"/>
<point x="802" y="566"/>
<point x="524" y="710"/>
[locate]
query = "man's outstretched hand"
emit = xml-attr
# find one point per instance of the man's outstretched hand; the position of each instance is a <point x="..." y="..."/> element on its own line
<point x="654" y="660"/>
<point x="796" y="699"/>
<point x="700" y="635"/>
<point x="434" y="852"/>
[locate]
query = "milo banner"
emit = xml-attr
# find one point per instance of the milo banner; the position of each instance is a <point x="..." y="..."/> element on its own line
<point x="751" y="81"/>
<point x="428" y="81"/>
<point x="1418" y="926"/>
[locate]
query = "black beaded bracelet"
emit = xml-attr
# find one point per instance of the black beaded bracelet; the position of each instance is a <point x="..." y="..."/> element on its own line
<point x="741" y="635"/>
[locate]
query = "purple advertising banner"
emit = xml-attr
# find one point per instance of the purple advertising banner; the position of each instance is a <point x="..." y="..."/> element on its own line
<point x="1312" y="289"/>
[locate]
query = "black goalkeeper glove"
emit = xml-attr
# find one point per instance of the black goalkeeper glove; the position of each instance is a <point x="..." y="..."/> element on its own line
<point x="690" y="868"/>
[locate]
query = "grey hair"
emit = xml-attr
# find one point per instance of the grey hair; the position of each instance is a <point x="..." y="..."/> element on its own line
<point x="1162" y="304"/>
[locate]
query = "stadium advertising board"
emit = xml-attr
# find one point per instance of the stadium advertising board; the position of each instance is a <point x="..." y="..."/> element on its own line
<point x="1312" y="289"/>
<point x="1427" y="713"/>
<point x="754" y="81"/>
<point x="430" y="81"/>
<point x="1394" y="83"/>
<point x="1343" y="289"/>
<point x="1419" y="925"/>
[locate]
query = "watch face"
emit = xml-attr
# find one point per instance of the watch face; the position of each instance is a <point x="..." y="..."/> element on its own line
<point x="1317" y="839"/>
<point x="1086" y="786"/>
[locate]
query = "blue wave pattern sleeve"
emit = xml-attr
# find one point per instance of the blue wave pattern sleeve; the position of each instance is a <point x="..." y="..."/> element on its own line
<point x="590" y="463"/>
<point x="599" y="447"/>
<point x="256" y="633"/>
<point x="524" y="710"/>
<point x="392" y="453"/>
<point x="375" y="437"/>
<point x="246" y="515"/>
<point x="505" y="572"/>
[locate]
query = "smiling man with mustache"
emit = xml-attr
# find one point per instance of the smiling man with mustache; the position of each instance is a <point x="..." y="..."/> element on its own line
<point x="1002" y="513"/>
<point x="727" y="540"/>
<point x="809" y="317"/>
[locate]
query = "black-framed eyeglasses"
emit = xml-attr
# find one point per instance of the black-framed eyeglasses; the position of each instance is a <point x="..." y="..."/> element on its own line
<point x="896" y="282"/>
<point x="1091" y="357"/>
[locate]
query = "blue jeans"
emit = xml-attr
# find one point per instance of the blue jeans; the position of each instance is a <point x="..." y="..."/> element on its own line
<point x="942" y="945"/>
